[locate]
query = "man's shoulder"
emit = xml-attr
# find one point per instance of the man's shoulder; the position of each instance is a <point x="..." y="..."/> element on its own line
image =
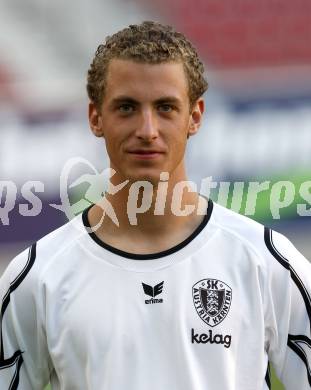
<point x="238" y="225"/>
<point x="258" y="238"/>
<point x="62" y="238"/>
<point x="43" y="254"/>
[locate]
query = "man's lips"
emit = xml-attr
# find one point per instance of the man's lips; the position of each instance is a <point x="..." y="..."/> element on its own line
<point x="145" y="153"/>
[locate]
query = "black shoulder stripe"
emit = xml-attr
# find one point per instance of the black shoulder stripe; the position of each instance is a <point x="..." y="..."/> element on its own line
<point x="283" y="261"/>
<point x="16" y="359"/>
<point x="268" y="376"/>
<point x="18" y="280"/>
<point x="301" y="345"/>
<point x="298" y="343"/>
<point x="15" y="381"/>
<point x="269" y="243"/>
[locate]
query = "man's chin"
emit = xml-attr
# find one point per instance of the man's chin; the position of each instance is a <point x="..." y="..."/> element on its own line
<point x="151" y="177"/>
<point x="146" y="178"/>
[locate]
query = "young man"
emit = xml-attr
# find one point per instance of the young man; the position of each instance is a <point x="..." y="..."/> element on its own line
<point x="176" y="298"/>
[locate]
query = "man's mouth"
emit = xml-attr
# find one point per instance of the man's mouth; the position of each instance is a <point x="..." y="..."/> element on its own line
<point x="145" y="153"/>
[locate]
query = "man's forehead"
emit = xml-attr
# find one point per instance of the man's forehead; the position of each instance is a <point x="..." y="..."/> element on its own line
<point x="163" y="79"/>
<point x="124" y="68"/>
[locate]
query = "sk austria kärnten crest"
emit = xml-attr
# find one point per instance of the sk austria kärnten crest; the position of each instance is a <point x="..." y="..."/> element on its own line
<point x="212" y="299"/>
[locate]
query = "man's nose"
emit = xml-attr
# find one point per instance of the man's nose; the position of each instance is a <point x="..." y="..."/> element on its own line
<point x="147" y="128"/>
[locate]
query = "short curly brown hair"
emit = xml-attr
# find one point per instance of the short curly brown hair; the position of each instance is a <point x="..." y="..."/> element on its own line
<point x="148" y="42"/>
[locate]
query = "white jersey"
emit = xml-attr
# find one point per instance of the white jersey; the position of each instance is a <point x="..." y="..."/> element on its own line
<point x="209" y="313"/>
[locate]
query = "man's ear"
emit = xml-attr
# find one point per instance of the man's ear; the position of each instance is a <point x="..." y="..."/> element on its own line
<point x="95" y="120"/>
<point x="196" y="117"/>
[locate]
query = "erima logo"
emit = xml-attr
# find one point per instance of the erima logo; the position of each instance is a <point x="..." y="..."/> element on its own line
<point x="153" y="292"/>
<point x="212" y="299"/>
<point x="204" y="338"/>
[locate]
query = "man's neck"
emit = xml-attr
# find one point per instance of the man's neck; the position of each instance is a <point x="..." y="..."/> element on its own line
<point x="168" y="219"/>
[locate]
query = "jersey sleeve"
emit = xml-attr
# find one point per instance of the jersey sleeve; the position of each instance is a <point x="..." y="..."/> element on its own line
<point x="288" y="312"/>
<point x="24" y="362"/>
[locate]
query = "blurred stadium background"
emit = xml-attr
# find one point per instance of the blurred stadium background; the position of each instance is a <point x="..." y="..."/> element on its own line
<point x="257" y="125"/>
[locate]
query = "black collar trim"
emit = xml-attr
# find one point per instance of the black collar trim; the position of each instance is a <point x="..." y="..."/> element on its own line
<point x="148" y="256"/>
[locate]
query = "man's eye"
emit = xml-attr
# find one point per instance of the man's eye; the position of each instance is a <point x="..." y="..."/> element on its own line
<point x="165" y="108"/>
<point x="126" y="108"/>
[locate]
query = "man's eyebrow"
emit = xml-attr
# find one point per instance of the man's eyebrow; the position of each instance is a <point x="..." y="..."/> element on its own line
<point x="168" y="99"/>
<point x="161" y="100"/>
<point x="123" y="99"/>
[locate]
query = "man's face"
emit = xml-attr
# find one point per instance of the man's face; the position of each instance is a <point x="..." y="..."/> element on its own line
<point x="145" y="119"/>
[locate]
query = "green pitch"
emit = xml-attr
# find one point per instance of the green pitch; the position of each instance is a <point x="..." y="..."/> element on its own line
<point x="276" y="384"/>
